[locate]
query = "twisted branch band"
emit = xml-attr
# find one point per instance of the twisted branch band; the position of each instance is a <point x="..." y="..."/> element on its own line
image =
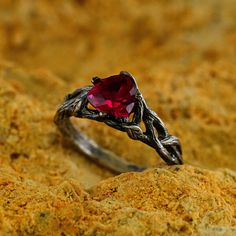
<point x="155" y="135"/>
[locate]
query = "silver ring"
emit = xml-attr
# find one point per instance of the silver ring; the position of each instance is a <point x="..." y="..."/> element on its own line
<point x="115" y="98"/>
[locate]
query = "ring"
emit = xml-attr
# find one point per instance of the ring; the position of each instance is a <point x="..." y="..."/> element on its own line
<point x="118" y="103"/>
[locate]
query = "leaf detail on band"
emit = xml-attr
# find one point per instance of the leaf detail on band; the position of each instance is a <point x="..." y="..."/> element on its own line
<point x="134" y="131"/>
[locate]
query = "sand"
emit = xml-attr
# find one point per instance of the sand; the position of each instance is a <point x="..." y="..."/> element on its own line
<point x="182" y="54"/>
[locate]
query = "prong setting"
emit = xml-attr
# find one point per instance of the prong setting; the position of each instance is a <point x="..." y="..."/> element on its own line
<point x="95" y="80"/>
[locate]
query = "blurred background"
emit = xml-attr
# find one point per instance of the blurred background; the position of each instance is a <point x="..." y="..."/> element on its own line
<point x="182" y="52"/>
<point x="85" y="37"/>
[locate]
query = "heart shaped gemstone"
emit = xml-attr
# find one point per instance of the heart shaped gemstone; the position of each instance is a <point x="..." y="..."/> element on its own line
<point x="114" y="95"/>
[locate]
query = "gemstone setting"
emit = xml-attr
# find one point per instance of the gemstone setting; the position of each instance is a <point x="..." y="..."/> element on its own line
<point x="115" y="95"/>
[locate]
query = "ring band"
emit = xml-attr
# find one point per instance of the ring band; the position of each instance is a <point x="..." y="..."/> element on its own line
<point x="124" y="103"/>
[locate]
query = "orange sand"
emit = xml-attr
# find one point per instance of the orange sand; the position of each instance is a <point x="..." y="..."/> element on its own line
<point x="183" y="55"/>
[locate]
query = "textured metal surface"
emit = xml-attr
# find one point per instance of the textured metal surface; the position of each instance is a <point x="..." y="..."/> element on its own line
<point x="155" y="135"/>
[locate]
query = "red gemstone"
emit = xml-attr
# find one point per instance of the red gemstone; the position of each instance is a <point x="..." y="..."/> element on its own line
<point x="114" y="95"/>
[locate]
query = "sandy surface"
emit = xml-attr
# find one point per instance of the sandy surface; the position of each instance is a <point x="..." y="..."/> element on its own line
<point x="183" y="55"/>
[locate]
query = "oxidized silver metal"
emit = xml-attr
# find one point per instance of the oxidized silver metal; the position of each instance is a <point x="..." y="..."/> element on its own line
<point x="155" y="135"/>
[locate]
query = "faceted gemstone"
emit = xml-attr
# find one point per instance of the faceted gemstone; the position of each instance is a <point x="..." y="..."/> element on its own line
<point x="114" y="95"/>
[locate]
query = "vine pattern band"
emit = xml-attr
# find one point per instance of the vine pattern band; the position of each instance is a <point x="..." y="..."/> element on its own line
<point x="155" y="134"/>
